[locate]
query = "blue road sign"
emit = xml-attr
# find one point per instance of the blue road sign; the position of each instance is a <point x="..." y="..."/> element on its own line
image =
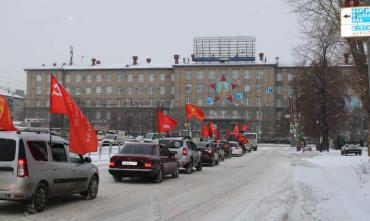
<point x="210" y="100"/>
<point x="239" y="96"/>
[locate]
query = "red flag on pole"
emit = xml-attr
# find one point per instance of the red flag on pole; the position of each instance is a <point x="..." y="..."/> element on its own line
<point x="227" y="133"/>
<point x="194" y="111"/>
<point x="6" y="122"/>
<point x="245" y="127"/>
<point x="82" y="135"/>
<point x="165" y="123"/>
<point x="236" y="130"/>
<point x="205" y="132"/>
<point x="218" y="137"/>
<point x="212" y="129"/>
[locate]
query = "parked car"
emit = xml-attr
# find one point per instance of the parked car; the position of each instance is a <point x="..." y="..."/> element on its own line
<point x="252" y="140"/>
<point x="144" y="160"/>
<point x="219" y="149"/>
<point x="351" y="148"/>
<point x="186" y="152"/>
<point x="210" y="155"/>
<point x="109" y="139"/>
<point x="236" y="149"/>
<point x="31" y="170"/>
<point x="226" y="147"/>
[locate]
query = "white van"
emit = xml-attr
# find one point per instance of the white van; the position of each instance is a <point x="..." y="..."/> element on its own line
<point x="252" y="140"/>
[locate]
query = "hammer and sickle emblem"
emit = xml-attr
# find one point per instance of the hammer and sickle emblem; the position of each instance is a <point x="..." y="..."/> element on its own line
<point x="56" y="90"/>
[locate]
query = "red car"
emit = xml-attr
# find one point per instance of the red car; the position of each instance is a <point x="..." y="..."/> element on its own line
<point x="144" y="160"/>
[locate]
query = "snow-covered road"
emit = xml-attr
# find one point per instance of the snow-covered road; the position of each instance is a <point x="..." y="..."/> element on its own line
<point x="274" y="183"/>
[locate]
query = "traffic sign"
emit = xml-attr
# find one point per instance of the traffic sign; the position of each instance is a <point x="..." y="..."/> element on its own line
<point x="210" y="100"/>
<point x="239" y="96"/>
<point x="269" y="90"/>
<point x="355" y="22"/>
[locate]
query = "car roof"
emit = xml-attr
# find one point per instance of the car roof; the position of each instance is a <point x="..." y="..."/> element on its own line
<point x="30" y="136"/>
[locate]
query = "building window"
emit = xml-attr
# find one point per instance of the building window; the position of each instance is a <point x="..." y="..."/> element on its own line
<point x="120" y="77"/>
<point x="98" y="78"/>
<point x="279" y="77"/>
<point x="162" y="77"/>
<point x="119" y="91"/>
<point x="235" y="75"/>
<point x="151" y="90"/>
<point x="172" y="90"/>
<point x="188" y="75"/>
<point x="247" y="88"/>
<point x="97" y="115"/>
<point x="246" y="101"/>
<point x="188" y="100"/>
<point x="200" y="75"/>
<point x="290" y="91"/>
<point x="39" y="77"/>
<point x="290" y="77"/>
<point x="259" y="115"/>
<point x="258" y="88"/>
<point x="38" y="90"/>
<point x="199" y="88"/>
<point x="223" y="114"/>
<point x="211" y="75"/>
<point x="247" y="75"/>
<point x="188" y="88"/>
<point x="130" y="91"/>
<point x="259" y="74"/>
<point x="108" y="116"/>
<point x="162" y="90"/>
<point x="108" y="103"/>
<point x="199" y="101"/>
<point x="258" y="101"/>
<point x="235" y="114"/>
<point x="130" y="78"/>
<point x="87" y="91"/>
<point x="140" y="90"/>
<point x="68" y="78"/>
<point x="108" y="78"/>
<point x="109" y="90"/>
<point x="77" y="91"/>
<point x="121" y="103"/>
<point x="98" y="90"/>
<point x="212" y="114"/>
<point x="278" y="103"/>
<point x="172" y="77"/>
<point x="278" y="89"/>
<point x="88" y="78"/>
<point x="141" y="78"/>
<point x="78" y="78"/>
<point x="151" y="78"/>
<point x="278" y="115"/>
<point x="247" y="115"/>
<point x="87" y="103"/>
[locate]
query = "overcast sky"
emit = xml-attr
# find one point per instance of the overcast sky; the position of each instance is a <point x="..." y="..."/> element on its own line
<point x="35" y="32"/>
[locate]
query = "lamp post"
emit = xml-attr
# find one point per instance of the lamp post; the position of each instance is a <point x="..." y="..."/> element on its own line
<point x="318" y="136"/>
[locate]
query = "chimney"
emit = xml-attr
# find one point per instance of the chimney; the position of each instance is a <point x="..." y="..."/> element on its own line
<point x="346" y="57"/>
<point x="98" y="62"/>
<point x="93" y="61"/>
<point x="148" y="60"/>
<point x="176" y="57"/>
<point x="54" y="64"/>
<point x="261" y="56"/>
<point x="134" y="60"/>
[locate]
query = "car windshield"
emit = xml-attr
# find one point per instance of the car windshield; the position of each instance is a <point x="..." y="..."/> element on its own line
<point x="172" y="143"/>
<point x="250" y="136"/>
<point x="7" y="150"/>
<point x="110" y="136"/>
<point x="202" y="145"/>
<point x="145" y="149"/>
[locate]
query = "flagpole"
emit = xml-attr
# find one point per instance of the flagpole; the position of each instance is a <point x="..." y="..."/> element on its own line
<point x="187" y="122"/>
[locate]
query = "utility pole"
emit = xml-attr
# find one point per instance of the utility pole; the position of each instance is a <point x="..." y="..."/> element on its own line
<point x="368" y="91"/>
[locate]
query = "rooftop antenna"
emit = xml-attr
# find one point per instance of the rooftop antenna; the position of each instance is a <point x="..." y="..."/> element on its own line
<point x="71" y="55"/>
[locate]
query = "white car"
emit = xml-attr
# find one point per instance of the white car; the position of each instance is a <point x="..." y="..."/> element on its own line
<point x="351" y="148"/>
<point x="236" y="149"/>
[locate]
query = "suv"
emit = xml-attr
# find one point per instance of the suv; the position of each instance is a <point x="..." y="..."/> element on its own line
<point x="186" y="151"/>
<point x="31" y="169"/>
<point x="252" y="140"/>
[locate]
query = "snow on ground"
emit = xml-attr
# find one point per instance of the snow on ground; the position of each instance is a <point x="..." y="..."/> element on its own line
<point x="330" y="186"/>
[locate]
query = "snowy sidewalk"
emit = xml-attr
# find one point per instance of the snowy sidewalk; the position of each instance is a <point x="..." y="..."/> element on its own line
<point x="329" y="186"/>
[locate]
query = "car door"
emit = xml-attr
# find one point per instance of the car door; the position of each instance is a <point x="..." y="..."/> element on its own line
<point x="164" y="155"/>
<point x="62" y="169"/>
<point x="171" y="161"/>
<point x="195" y="152"/>
<point x="80" y="172"/>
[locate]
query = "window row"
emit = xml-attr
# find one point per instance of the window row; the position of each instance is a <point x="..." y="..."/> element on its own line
<point x="212" y="75"/>
<point x="234" y="114"/>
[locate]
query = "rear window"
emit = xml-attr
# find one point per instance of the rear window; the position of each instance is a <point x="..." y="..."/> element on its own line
<point x="138" y="149"/>
<point x="250" y="136"/>
<point x="7" y="150"/>
<point x="172" y="143"/>
<point x="233" y="144"/>
<point x="202" y="145"/>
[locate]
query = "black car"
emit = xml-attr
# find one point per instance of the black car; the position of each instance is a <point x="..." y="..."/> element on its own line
<point x="210" y="154"/>
<point x="144" y="160"/>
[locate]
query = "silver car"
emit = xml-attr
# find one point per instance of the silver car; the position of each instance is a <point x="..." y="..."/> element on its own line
<point x="31" y="170"/>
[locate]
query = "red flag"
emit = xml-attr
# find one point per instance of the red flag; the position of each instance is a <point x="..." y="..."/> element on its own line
<point x="218" y="137"/>
<point x="205" y="132"/>
<point x="236" y="130"/>
<point x="57" y="103"/>
<point x="82" y="135"/>
<point x="6" y="122"/>
<point x="212" y="129"/>
<point x="227" y="132"/>
<point x="193" y="111"/>
<point x="245" y="127"/>
<point x="165" y="123"/>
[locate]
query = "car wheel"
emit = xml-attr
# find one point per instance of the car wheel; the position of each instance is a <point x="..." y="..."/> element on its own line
<point x="212" y="164"/>
<point x="117" y="178"/>
<point x="92" y="189"/>
<point x="176" y="173"/>
<point x="159" y="177"/>
<point x="199" y="167"/>
<point x="218" y="161"/>
<point x="38" y="200"/>
<point x="189" y="170"/>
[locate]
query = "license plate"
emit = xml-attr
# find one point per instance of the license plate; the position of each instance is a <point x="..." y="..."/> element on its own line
<point x="129" y="163"/>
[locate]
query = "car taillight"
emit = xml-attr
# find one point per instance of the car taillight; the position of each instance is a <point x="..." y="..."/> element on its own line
<point x="22" y="168"/>
<point x="148" y="164"/>
<point x="209" y="151"/>
<point x="184" y="151"/>
<point x="112" y="164"/>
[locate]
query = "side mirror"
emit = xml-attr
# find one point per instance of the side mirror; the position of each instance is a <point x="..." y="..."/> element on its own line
<point x="87" y="159"/>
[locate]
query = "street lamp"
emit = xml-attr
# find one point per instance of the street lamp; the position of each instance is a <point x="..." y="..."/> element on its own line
<point x="318" y="136"/>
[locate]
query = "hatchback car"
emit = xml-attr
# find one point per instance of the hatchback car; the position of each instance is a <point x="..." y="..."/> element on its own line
<point x="210" y="155"/>
<point x="236" y="149"/>
<point x="31" y="170"/>
<point x="144" y="160"/>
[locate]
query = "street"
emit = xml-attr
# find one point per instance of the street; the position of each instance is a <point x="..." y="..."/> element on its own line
<point x="232" y="191"/>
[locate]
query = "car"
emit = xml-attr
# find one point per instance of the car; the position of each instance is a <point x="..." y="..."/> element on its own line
<point x="186" y="152"/>
<point x="144" y="160"/>
<point x="109" y="140"/>
<point x="210" y="156"/>
<point x="226" y="147"/>
<point x="219" y="149"/>
<point x="252" y="140"/>
<point x="351" y="148"/>
<point x="236" y="149"/>
<point x="32" y="170"/>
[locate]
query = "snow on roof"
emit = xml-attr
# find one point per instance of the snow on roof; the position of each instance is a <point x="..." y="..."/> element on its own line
<point x="7" y="94"/>
<point x="101" y="67"/>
